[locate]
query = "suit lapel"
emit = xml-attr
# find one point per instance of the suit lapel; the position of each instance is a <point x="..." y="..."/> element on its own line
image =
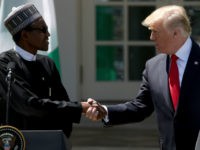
<point x="164" y="78"/>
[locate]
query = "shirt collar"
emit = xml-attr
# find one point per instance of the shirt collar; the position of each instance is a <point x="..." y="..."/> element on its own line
<point x="24" y="54"/>
<point x="184" y="51"/>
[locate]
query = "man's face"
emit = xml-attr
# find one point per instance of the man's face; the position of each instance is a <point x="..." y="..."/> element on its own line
<point x="162" y="37"/>
<point x="38" y="36"/>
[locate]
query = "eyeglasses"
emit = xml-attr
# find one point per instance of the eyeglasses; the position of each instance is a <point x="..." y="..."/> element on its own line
<point x="43" y="29"/>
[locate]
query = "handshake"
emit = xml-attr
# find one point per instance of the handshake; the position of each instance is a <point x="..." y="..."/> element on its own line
<point x="93" y="110"/>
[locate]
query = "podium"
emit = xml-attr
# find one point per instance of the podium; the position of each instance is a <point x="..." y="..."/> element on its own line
<point x="45" y="140"/>
<point x="198" y="143"/>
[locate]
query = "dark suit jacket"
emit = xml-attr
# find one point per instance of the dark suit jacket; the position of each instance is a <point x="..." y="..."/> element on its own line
<point x="178" y="129"/>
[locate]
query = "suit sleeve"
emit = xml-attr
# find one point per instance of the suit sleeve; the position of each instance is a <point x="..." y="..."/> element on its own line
<point x="135" y="110"/>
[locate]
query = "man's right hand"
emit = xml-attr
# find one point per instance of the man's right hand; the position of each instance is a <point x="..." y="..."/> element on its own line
<point x="96" y="111"/>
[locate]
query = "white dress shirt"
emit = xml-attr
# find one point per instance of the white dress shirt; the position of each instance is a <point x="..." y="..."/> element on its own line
<point x="183" y="54"/>
<point x="24" y="54"/>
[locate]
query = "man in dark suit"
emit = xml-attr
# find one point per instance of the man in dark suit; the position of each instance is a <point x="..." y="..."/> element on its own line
<point x="37" y="97"/>
<point x="170" y="83"/>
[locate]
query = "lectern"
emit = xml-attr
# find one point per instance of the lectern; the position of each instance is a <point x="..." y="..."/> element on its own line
<point x="198" y="143"/>
<point x="45" y="140"/>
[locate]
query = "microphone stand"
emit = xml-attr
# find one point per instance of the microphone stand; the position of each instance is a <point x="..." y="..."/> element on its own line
<point x="9" y="80"/>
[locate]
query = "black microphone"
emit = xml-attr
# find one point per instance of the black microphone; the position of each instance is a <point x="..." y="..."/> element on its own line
<point x="10" y="69"/>
<point x="9" y="80"/>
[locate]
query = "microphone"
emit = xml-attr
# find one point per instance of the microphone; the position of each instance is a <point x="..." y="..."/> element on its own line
<point x="9" y="80"/>
<point x="10" y="69"/>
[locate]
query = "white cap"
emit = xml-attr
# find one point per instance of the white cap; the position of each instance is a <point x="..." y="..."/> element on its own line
<point x="20" y="17"/>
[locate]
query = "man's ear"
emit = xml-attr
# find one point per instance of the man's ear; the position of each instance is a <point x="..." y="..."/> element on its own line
<point x="24" y="35"/>
<point x="177" y="32"/>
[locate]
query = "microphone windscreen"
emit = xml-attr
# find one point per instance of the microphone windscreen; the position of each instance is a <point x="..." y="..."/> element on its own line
<point x="11" y="65"/>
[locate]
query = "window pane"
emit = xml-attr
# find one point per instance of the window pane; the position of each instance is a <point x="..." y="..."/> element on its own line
<point x="109" y="23"/>
<point x="108" y="0"/>
<point x="136" y="16"/>
<point x="109" y="63"/>
<point x="194" y="14"/>
<point x="141" y="0"/>
<point x="137" y="59"/>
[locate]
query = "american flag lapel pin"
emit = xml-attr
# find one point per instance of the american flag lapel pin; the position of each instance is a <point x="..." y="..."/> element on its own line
<point x="196" y="63"/>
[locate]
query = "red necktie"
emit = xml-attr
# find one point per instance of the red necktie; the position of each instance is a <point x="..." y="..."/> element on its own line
<point x="174" y="85"/>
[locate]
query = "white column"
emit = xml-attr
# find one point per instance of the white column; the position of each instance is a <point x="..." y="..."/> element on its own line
<point x="68" y="16"/>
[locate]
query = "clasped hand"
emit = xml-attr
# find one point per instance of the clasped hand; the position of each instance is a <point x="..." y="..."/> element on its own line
<point x="96" y="111"/>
